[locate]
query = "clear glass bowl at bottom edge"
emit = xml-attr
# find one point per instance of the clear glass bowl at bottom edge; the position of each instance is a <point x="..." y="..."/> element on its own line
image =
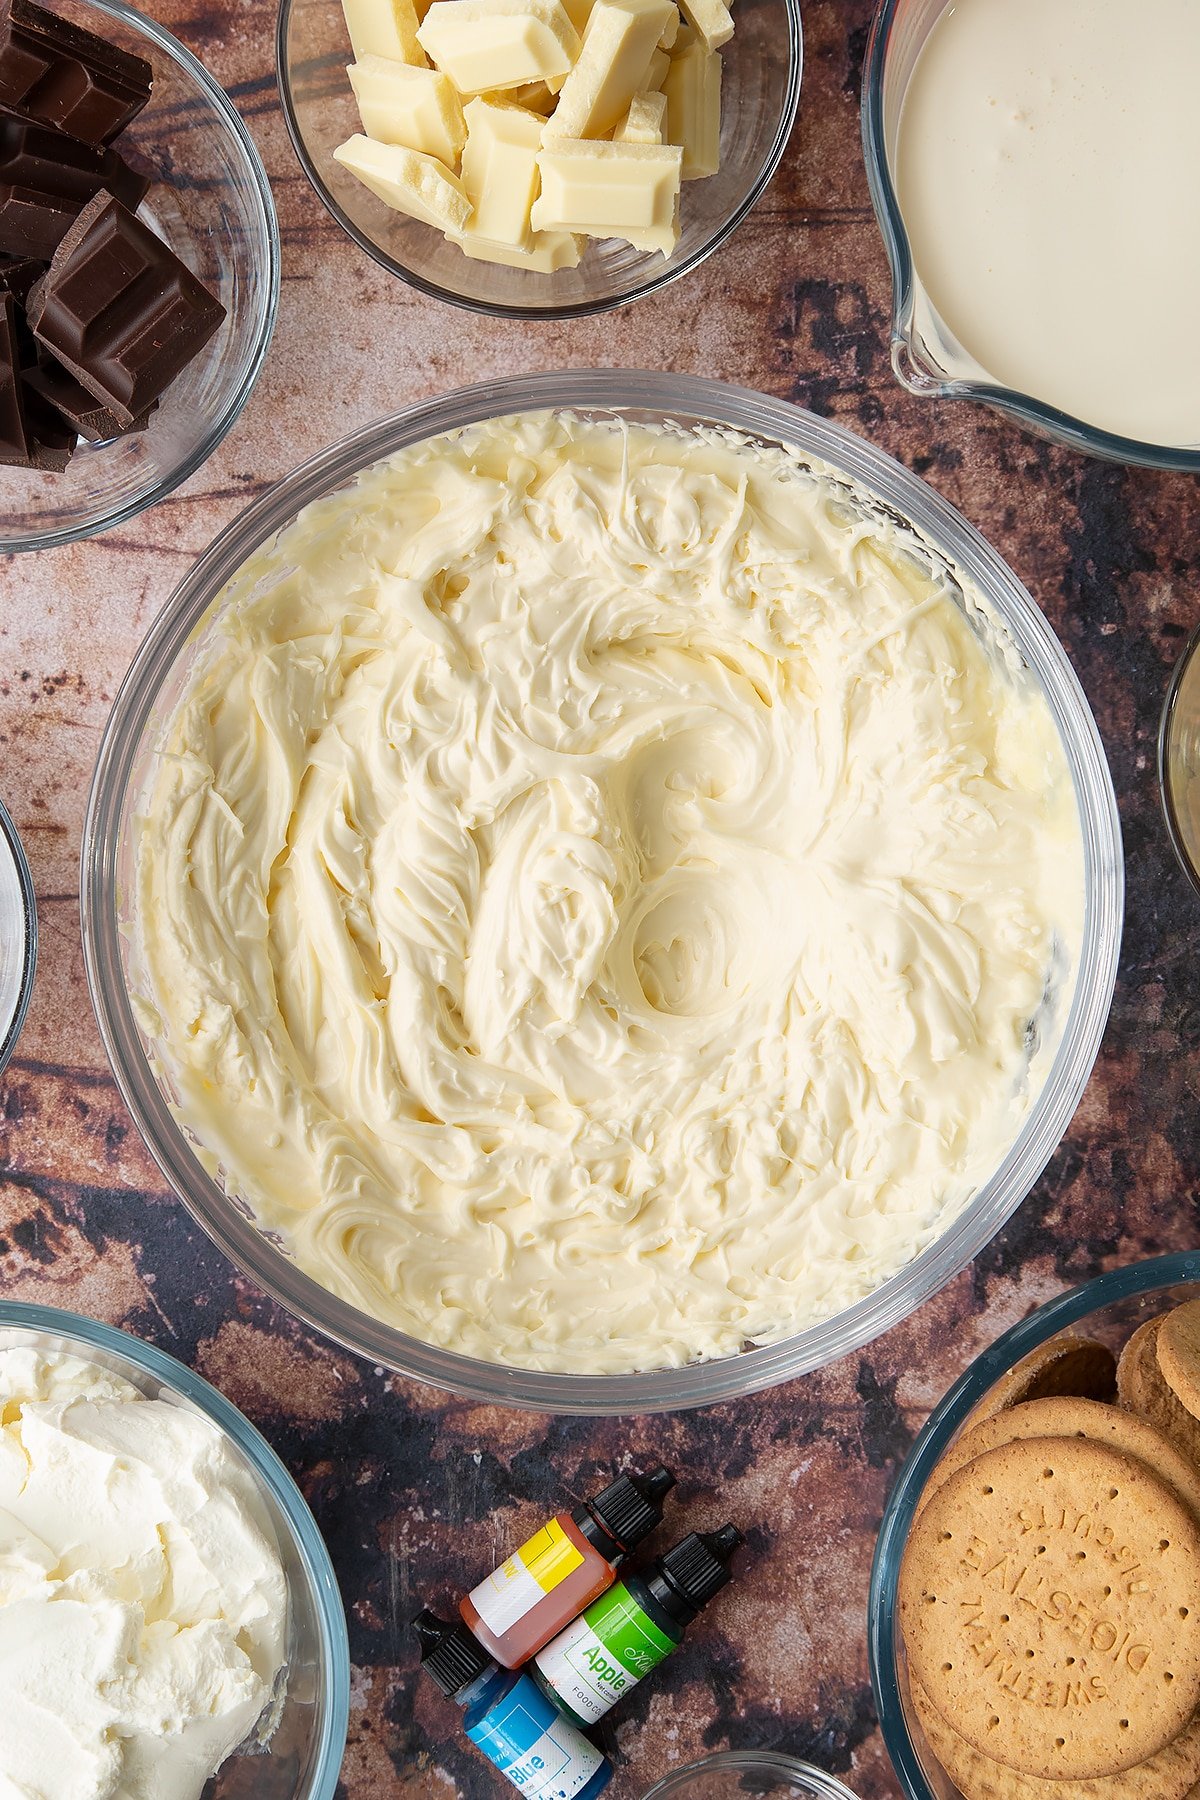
<point x="742" y="1774"/>
<point x="1109" y="1308"/>
<point x="898" y="33"/>
<point x="154" y="677"/>
<point x="304" y="1757"/>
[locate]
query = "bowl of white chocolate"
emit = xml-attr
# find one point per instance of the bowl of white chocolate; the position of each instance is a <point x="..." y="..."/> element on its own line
<point x="602" y="892"/>
<point x="541" y="158"/>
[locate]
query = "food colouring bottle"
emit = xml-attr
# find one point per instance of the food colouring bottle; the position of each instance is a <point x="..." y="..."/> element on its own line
<point x="569" y="1563"/>
<point x="518" y="1729"/>
<point x="635" y="1626"/>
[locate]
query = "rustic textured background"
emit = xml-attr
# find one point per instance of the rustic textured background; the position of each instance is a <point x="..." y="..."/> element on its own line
<point x="416" y="1493"/>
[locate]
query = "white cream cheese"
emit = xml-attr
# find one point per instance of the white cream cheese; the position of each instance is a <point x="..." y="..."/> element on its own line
<point x="594" y="893"/>
<point x="143" y="1610"/>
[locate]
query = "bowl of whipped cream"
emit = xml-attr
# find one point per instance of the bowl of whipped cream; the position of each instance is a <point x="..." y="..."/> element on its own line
<point x="602" y="892"/>
<point x="170" y="1623"/>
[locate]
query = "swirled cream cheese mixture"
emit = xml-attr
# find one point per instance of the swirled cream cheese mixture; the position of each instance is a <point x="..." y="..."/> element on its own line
<point x="602" y="897"/>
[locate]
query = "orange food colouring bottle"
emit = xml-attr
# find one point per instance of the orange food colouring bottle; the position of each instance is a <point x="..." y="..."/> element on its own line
<point x="569" y="1563"/>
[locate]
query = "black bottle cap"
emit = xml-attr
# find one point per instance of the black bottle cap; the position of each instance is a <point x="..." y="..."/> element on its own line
<point x="449" y="1654"/>
<point x="698" y="1568"/>
<point x="630" y="1508"/>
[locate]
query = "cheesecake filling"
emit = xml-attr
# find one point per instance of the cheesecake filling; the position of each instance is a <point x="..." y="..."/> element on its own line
<point x="606" y="896"/>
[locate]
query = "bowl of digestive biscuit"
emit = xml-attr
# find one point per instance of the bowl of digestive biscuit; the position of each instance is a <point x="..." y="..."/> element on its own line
<point x="1035" y="1600"/>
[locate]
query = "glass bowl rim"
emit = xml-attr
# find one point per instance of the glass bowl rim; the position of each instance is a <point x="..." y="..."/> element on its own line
<point x="13" y="844"/>
<point x="576" y="309"/>
<point x="694" y="1384"/>
<point x="310" y="1546"/>
<point x="753" y="1762"/>
<point x="222" y="106"/>
<point x="1047" y="420"/>
<point x="1147" y="1277"/>
<point x="1166" y="791"/>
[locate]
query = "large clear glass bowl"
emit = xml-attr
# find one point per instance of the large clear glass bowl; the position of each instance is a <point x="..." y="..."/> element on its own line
<point x="1110" y="1309"/>
<point x="304" y="1755"/>
<point x="212" y="203"/>
<point x="925" y="355"/>
<point x="155" y="682"/>
<point x="18" y="937"/>
<point x="748" y="1775"/>
<point x="760" y="94"/>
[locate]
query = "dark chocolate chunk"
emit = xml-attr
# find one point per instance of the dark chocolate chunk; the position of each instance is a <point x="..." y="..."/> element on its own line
<point x="15" y="448"/>
<point x="52" y="440"/>
<point x="119" y="309"/>
<point x="18" y="274"/>
<point x="63" y="75"/>
<point x="88" y="417"/>
<point x="32" y="434"/>
<point x="47" y="178"/>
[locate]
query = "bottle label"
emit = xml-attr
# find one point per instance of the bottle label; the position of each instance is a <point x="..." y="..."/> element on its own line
<point x="518" y="1585"/>
<point x="530" y="1742"/>
<point x="602" y="1655"/>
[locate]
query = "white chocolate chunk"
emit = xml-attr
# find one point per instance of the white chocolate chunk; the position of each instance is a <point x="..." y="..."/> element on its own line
<point x="670" y="35"/>
<point x="621" y="38"/>
<point x="500" y="171"/>
<point x="645" y="122"/>
<point x="547" y="252"/>
<point x="408" y="182"/>
<point x="534" y="95"/>
<point x="656" y="74"/>
<point x="610" y="190"/>
<point x="418" y="108"/>
<point x="384" y="28"/>
<point x="665" y="238"/>
<point x="693" y="89"/>
<point x="485" y="45"/>
<point x="711" y="18"/>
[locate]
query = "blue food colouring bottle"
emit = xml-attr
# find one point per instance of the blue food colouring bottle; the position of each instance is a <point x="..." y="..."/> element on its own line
<point x="509" y="1719"/>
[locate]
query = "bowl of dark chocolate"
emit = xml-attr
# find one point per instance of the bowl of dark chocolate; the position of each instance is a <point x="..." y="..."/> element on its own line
<point x="139" y="267"/>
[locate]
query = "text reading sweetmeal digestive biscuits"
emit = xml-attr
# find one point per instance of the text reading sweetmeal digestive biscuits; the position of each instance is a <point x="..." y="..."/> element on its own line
<point x="1049" y="1603"/>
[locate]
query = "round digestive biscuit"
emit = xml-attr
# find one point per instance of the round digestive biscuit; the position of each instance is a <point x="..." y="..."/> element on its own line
<point x="1142" y="1388"/>
<point x="1075" y="1419"/>
<point x="1171" y="1775"/>
<point x="1179" y="1354"/>
<point x="1050" y="1606"/>
<point x="1065" y="1366"/>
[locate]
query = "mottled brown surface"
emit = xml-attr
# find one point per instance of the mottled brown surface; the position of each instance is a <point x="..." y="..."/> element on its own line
<point x="416" y="1492"/>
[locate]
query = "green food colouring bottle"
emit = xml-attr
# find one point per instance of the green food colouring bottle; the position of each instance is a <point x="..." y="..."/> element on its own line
<point x="621" y="1637"/>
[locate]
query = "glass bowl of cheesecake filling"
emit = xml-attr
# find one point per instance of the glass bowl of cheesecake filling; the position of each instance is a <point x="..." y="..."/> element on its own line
<point x="170" y="1623"/>
<point x="1026" y="164"/>
<point x="602" y="892"/>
